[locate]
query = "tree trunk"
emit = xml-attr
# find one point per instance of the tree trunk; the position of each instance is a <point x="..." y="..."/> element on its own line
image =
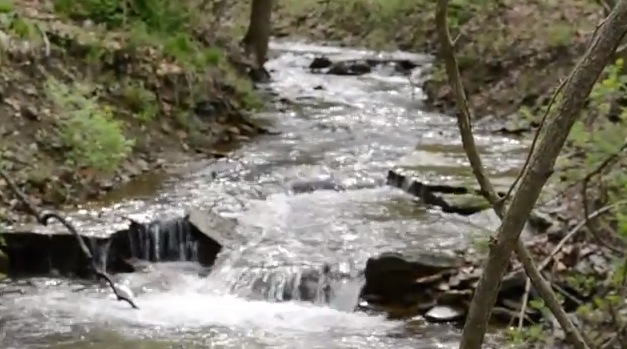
<point x="257" y="37"/>
<point x="555" y="130"/>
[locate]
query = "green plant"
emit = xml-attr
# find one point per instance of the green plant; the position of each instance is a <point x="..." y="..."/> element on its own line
<point x="141" y="101"/>
<point x="93" y="138"/>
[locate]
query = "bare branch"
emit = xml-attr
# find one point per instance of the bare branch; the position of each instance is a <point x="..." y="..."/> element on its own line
<point x="558" y="124"/>
<point x="508" y="238"/>
<point x="44" y="218"/>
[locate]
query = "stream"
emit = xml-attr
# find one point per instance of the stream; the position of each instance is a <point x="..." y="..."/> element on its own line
<point x="349" y="128"/>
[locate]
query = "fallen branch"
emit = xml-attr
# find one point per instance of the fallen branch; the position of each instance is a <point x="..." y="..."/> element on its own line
<point x="44" y="218"/>
<point x="558" y="124"/>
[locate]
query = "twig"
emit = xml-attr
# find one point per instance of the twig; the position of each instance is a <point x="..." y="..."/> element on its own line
<point x="571" y="234"/>
<point x="540" y="127"/>
<point x="44" y="218"/>
<point x="584" y="194"/>
<point x="45" y="39"/>
<point x="576" y="88"/>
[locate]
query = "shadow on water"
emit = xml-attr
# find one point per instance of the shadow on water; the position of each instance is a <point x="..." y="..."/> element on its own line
<point x="352" y="130"/>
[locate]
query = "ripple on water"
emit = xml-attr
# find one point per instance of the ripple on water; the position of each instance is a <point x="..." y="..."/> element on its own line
<point x="189" y="310"/>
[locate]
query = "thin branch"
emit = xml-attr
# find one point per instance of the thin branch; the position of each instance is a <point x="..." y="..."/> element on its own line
<point x="559" y="122"/>
<point x="541" y="126"/>
<point x="45" y="217"/>
<point x="475" y="328"/>
<point x="571" y="234"/>
<point x="584" y="193"/>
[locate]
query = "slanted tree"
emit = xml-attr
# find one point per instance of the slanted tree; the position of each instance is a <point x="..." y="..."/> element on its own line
<point x="257" y="37"/>
<point x="553" y="132"/>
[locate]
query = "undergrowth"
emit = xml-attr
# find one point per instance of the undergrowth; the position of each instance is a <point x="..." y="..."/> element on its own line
<point x="595" y="157"/>
<point x="88" y="131"/>
<point x="91" y="125"/>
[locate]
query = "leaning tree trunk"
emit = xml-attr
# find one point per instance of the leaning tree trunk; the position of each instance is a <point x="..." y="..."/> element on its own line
<point x="257" y="37"/>
<point x="557" y="125"/>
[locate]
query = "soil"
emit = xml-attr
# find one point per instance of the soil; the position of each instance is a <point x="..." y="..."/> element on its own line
<point x="85" y="108"/>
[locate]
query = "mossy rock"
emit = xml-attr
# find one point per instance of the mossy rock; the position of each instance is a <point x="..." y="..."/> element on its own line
<point x="466" y="202"/>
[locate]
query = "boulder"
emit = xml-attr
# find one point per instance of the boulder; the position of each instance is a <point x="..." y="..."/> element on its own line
<point x="357" y="67"/>
<point x="212" y="232"/>
<point x="395" y="277"/>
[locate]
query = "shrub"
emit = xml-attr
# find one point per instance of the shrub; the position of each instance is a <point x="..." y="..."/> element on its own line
<point x="93" y="138"/>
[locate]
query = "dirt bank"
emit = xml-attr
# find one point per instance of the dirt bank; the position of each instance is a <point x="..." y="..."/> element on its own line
<point x="94" y="95"/>
<point x="511" y="53"/>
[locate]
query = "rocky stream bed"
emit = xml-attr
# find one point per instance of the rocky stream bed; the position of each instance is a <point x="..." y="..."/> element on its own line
<point x="312" y="238"/>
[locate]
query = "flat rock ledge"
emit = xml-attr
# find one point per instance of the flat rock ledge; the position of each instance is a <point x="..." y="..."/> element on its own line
<point x="440" y="286"/>
<point x="458" y="198"/>
<point x="35" y="250"/>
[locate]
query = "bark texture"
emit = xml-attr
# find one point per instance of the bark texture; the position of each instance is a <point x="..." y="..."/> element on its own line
<point x="257" y="37"/>
<point x="540" y="166"/>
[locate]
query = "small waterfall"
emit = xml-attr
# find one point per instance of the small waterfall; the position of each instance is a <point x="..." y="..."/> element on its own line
<point x="336" y="286"/>
<point x="163" y="241"/>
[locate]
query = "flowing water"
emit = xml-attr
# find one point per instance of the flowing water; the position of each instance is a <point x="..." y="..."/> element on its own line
<point x="352" y="129"/>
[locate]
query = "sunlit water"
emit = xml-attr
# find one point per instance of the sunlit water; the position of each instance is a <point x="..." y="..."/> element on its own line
<point x="352" y="129"/>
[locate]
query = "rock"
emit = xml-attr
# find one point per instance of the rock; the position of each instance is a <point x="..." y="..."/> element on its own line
<point x="349" y="68"/>
<point x="37" y="250"/>
<point x="299" y="186"/>
<point x="320" y="63"/>
<point x="33" y="254"/>
<point x="401" y="63"/>
<point x="454" y="196"/>
<point x="441" y="314"/>
<point x="395" y="277"/>
<point x="198" y="236"/>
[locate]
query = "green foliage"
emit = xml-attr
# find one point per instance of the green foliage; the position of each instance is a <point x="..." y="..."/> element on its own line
<point x="592" y="141"/>
<point x="161" y="16"/>
<point x="169" y="25"/>
<point x="139" y="100"/>
<point x="6" y="6"/>
<point x="93" y="138"/>
<point x="163" y="23"/>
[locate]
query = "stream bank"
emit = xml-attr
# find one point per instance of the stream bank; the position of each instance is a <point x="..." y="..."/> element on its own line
<point x="90" y="104"/>
<point x="511" y="53"/>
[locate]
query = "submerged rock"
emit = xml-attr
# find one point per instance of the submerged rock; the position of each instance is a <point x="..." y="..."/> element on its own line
<point x="360" y="66"/>
<point x="357" y="67"/>
<point x="300" y="186"/>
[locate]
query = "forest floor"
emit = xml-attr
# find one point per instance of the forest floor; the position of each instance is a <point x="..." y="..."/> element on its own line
<point x="91" y="99"/>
